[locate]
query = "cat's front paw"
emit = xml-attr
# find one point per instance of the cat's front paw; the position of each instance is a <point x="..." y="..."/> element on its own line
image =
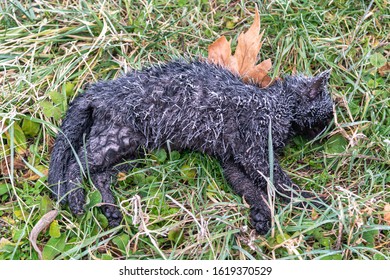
<point x="260" y="219"/>
<point x="113" y="215"/>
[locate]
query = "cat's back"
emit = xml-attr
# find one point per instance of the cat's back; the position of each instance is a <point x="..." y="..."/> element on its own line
<point x="195" y="86"/>
<point x="179" y="76"/>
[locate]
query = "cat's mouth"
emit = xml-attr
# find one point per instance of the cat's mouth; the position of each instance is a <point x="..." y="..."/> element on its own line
<point x="314" y="132"/>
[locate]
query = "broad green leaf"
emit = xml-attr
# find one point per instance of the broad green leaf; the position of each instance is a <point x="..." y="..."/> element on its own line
<point x="18" y="234"/>
<point x="121" y="242"/>
<point x="281" y="238"/>
<point x="369" y="237"/>
<point x="188" y="172"/>
<point x="332" y="257"/>
<point x="106" y="257"/>
<point x="139" y="178"/>
<point x="379" y="257"/>
<point x="230" y="24"/>
<point x="375" y="83"/>
<point x="102" y="220"/>
<point x="7" y="248"/>
<point x="175" y="235"/>
<point x="20" y="214"/>
<point x="160" y="155"/>
<point x="69" y="89"/>
<point x="47" y="108"/>
<point x="93" y="198"/>
<point x="57" y="113"/>
<point x="150" y="179"/>
<point x="182" y="3"/>
<point x="326" y="242"/>
<point x="336" y="144"/>
<point x="377" y="60"/>
<point x="174" y="155"/>
<point x="17" y="136"/>
<point x="57" y="97"/>
<point x="54" y="247"/>
<point x="50" y="110"/>
<point x="30" y="128"/>
<point x="45" y="205"/>
<point x="54" y="229"/>
<point x="3" y="189"/>
<point x="354" y="108"/>
<point x="5" y="242"/>
<point x="318" y="234"/>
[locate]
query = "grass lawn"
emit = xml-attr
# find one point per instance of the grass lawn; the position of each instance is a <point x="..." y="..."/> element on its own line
<point x="178" y="205"/>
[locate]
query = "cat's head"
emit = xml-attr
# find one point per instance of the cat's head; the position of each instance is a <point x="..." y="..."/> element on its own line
<point x="314" y="107"/>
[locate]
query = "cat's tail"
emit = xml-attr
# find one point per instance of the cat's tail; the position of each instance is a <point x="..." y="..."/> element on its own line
<point x="77" y="122"/>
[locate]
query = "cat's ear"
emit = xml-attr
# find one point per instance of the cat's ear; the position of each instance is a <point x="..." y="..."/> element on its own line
<point x="318" y="84"/>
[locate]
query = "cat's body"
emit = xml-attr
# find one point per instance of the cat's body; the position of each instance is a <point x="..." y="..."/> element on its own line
<point x="183" y="105"/>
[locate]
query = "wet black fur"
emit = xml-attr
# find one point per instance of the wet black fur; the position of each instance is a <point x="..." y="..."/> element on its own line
<point x="186" y="105"/>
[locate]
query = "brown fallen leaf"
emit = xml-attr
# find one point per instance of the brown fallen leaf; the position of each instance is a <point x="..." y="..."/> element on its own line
<point x="386" y="214"/>
<point x="220" y="54"/>
<point x="43" y="223"/>
<point x="31" y="175"/>
<point x="259" y="74"/>
<point x="243" y="62"/>
<point x="248" y="46"/>
<point x="5" y="164"/>
<point x="314" y="215"/>
<point x="384" y="69"/>
<point x="121" y="176"/>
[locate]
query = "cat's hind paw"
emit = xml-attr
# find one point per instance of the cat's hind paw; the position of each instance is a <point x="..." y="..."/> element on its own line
<point x="76" y="200"/>
<point x="113" y="215"/>
<point x="261" y="220"/>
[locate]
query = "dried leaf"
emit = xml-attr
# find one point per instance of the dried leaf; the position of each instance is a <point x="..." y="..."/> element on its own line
<point x="43" y="223"/>
<point x="37" y="173"/>
<point x="384" y="69"/>
<point x="386" y="214"/>
<point x="248" y="46"/>
<point x="5" y="167"/>
<point x="314" y="215"/>
<point x="220" y="54"/>
<point x="4" y="242"/>
<point x="121" y="176"/>
<point x="243" y="62"/>
<point x="258" y="74"/>
<point x="265" y="65"/>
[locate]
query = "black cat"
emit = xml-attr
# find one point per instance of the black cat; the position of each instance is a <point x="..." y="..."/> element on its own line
<point x="187" y="105"/>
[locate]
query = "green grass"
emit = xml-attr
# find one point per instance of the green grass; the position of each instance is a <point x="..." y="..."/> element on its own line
<point x="179" y="206"/>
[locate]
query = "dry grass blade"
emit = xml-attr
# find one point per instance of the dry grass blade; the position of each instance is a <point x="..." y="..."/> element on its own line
<point x="43" y="223"/>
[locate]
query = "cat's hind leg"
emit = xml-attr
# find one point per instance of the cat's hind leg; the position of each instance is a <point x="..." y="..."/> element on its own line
<point x="107" y="145"/>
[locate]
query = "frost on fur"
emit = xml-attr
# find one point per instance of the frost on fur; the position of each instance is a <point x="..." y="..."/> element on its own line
<point x="193" y="106"/>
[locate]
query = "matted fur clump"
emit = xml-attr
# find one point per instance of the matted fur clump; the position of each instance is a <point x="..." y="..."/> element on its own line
<point x="187" y="105"/>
